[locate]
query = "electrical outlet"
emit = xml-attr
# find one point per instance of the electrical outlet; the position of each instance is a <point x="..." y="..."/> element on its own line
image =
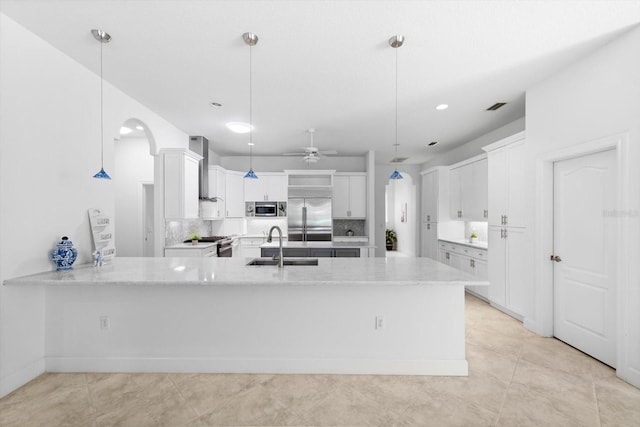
<point x="105" y="323"/>
<point x="379" y="322"/>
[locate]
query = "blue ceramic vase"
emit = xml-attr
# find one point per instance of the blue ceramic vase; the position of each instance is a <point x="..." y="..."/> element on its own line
<point x="64" y="255"/>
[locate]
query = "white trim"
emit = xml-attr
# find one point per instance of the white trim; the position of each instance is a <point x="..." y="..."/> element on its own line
<point x="468" y="161"/>
<point x="543" y="323"/>
<point x="257" y="366"/>
<point x="22" y="376"/>
<point x="520" y="136"/>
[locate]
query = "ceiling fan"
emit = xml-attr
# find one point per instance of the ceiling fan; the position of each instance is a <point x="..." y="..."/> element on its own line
<point x="311" y="154"/>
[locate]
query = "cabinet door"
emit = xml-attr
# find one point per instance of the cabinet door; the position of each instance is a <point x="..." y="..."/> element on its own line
<point x="458" y="261"/>
<point x="180" y="186"/>
<point x="277" y="188"/>
<point x="455" y="193"/>
<point x="357" y="196"/>
<point x="347" y="252"/>
<point x="430" y="240"/>
<point x="430" y="197"/>
<point x="191" y="190"/>
<point x="340" y="200"/>
<point x="479" y="209"/>
<point x="517" y="271"/>
<point x="235" y="194"/>
<point x="515" y="195"/>
<point x="442" y="257"/>
<point x="254" y="189"/>
<point x="497" y="265"/>
<point x="497" y="185"/>
<point x="481" y="272"/>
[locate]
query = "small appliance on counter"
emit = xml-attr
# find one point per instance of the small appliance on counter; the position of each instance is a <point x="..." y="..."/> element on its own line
<point x="224" y="244"/>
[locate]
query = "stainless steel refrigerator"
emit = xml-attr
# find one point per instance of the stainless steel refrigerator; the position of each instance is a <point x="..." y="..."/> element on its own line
<point x="309" y="219"/>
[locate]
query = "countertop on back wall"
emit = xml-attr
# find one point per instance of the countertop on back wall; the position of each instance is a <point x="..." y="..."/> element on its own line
<point x="478" y="245"/>
<point x="289" y="244"/>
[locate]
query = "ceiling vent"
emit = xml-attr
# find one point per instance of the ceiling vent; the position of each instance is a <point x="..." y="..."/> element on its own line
<point x="398" y="159"/>
<point x="497" y="105"/>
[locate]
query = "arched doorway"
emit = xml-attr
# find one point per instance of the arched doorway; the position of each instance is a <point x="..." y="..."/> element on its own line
<point x="133" y="185"/>
<point x="400" y="210"/>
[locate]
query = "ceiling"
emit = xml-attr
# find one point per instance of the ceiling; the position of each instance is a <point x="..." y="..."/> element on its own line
<point x="328" y="65"/>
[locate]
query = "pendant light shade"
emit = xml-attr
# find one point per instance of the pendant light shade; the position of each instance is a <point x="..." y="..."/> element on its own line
<point x="103" y="37"/>
<point x="251" y="40"/>
<point x="395" y="42"/>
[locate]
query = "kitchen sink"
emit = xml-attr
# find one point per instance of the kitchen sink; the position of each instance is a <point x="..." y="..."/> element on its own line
<point x="286" y="261"/>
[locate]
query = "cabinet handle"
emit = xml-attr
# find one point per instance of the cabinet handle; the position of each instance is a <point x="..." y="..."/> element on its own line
<point x="486" y="213"/>
<point x="472" y="263"/>
<point x="428" y="218"/>
<point x="502" y="233"/>
<point x="506" y="220"/>
<point x="459" y="214"/>
<point x="505" y="233"/>
<point x="447" y="255"/>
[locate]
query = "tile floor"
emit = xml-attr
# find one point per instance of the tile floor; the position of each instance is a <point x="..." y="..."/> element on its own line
<point x="515" y="379"/>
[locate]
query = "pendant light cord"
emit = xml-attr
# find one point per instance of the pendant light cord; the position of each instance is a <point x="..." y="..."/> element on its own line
<point x="101" y="115"/>
<point x="250" y="110"/>
<point x="396" y="49"/>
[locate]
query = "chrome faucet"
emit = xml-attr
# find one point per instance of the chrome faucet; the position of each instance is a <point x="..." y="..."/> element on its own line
<point x="269" y="240"/>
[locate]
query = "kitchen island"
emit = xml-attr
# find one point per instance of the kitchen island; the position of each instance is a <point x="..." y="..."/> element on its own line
<point x="349" y="316"/>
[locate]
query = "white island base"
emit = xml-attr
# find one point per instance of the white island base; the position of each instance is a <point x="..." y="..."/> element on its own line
<point x="219" y="316"/>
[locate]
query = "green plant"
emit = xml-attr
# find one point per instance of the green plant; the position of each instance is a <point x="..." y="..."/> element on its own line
<point x="390" y="236"/>
<point x="194" y="236"/>
<point x="474" y="236"/>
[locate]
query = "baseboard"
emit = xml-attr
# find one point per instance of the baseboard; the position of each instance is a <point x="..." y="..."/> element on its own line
<point x="17" y="379"/>
<point x="256" y="366"/>
<point x="507" y="311"/>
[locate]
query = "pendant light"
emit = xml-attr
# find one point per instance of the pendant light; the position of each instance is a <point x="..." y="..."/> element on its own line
<point x="395" y="42"/>
<point x="103" y="37"/>
<point x="250" y="39"/>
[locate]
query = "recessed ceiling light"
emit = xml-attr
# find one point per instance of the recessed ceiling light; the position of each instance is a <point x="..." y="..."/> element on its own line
<point x="251" y="143"/>
<point x="216" y="104"/>
<point x="139" y="127"/>
<point x="432" y="143"/>
<point x="125" y="130"/>
<point x="442" y="106"/>
<point x="239" y="127"/>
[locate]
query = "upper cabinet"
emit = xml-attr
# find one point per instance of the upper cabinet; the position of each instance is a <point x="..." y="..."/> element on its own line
<point x="271" y="187"/>
<point x="435" y="194"/>
<point x="506" y="181"/>
<point x="468" y="190"/>
<point x="350" y="196"/>
<point x="234" y="192"/>
<point x="180" y="182"/>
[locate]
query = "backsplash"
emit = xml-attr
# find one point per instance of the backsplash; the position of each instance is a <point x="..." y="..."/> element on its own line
<point x="179" y="231"/>
<point x="480" y="228"/>
<point x="340" y="227"/>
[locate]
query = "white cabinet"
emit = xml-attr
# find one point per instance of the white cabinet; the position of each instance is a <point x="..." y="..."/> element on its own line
<point x="180" y="183"/>
<point x="470" y="259"/>
<point x="250" y="247"/>
<point x="435" y="194"/>
<point x="468" y="190"/>
<point x="234" y="192"/>
<point x="271" y="187"/>
<point x="350" y="196"/>
<point x="210" y="209"/>
<point x="508" y="266"/>
<point x="507" y="203"/>
<point x="429" y="240"/>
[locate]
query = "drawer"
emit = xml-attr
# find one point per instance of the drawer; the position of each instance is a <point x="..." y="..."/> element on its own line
<point x="252" y="241"/>
<point x="211" y="251"/>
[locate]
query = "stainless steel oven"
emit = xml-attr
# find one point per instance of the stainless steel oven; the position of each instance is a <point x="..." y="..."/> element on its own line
<point x="225" y="247"/>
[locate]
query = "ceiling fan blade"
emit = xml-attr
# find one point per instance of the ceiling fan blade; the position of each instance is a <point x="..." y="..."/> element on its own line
<point x="294" y="154"/>
<point x="328" y="152"/>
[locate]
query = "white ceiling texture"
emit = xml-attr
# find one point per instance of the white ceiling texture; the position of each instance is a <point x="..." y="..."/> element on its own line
<point x="328" y="64"/>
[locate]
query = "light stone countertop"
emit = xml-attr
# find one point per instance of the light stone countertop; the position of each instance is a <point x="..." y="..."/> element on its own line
<point x="183" y="271"/>
<point x="200" y="245"/>
<point x="477" y="245"/>
<point x="289" y="244"/>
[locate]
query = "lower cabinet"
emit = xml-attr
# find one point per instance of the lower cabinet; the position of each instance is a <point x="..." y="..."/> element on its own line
<point x="312" y="252"/>
<point x="508" y="268"/>
<point x="469" y="259"/>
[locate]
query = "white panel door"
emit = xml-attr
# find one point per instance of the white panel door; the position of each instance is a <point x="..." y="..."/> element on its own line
<point x="234" y="191"/>
<point x="584" y="239"/>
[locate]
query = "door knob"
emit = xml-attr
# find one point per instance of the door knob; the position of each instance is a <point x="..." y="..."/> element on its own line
<point x="555" y="258"/>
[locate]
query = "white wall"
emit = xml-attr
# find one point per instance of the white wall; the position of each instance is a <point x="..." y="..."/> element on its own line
<point x="49" y="151"/>
<point x="133" y="165"/>
<point x="474" y="147"/>
<point x="401" y="192"/>
<point x="596" y="97"/>
<point x="278" y="164"/>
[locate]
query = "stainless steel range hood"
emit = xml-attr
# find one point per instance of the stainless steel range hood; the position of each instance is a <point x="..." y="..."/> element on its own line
<point x="200" y="145"/>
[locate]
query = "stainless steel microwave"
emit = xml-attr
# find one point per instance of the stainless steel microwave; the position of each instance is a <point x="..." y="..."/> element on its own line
<point x="266" y="209"/>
